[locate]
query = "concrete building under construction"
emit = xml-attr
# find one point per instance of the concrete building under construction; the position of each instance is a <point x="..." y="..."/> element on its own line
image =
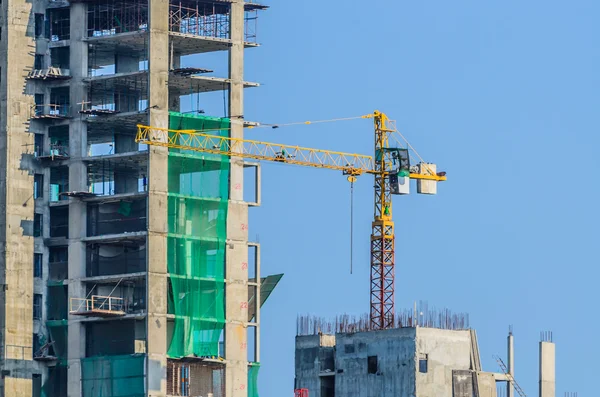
<point x="126" y="270"/>
<point x="433" y="357"/>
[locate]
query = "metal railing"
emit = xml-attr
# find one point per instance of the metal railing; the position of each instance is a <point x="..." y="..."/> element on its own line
<point x="49" y="111"/>
<point x="95" y="303"/>
<point x="56" y="150"/>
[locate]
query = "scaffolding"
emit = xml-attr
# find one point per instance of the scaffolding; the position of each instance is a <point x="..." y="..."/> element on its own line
<point x="126" y="92"/>
<point x="195" y="379"/>
<point x="199" y="19"/>
<point x="110" y="17"/>
<point x="210" y="19"/>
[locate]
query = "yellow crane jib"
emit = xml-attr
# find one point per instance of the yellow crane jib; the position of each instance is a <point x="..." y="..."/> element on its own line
<point x="350" y="164"/>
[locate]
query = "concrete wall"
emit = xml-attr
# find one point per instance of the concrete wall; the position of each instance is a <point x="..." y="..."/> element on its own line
<point x="395" y="351"/>
<point x="16" y="198"/>
<point x="445" y="351"/>
<point x="308" y="364"/>
<point x="398" y="373"/>
<point x="156" y="288"/>
<point x="77" y="182"/>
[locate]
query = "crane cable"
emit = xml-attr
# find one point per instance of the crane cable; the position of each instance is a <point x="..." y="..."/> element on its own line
<point x="351" y="179"/>
<point x="309" y="122"/>
<point x="411" y="148"/>
<point x="351" y="223"/>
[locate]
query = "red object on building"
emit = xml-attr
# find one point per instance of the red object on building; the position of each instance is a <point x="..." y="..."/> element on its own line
<point x="301" y="393"/>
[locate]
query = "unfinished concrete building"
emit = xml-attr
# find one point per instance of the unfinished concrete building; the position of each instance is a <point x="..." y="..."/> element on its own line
<point x="438" y="357"/>
<point x="125" y="270"/>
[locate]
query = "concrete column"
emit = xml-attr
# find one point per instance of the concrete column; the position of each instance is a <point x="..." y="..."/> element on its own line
<point x="156" y="285"/>
<point x="510" y="390"/>
<point x="236" y="305"/>
<point x="16" y="199"/>
<point x="547" y="369"/>
<point x="77" y="182"/>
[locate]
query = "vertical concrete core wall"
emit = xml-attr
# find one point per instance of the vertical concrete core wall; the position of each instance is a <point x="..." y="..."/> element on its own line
<point x="236" y="273"/>
<point x="156" y="289"/>
<point x="77" y="182"/>
<point x="381" y="363"/>
<point x="443" y="351"/>
<point x="547" y="369"/>
<point x="16" y="198"/>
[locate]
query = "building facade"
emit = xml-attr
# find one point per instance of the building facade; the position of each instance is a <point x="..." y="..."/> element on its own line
<point x="125" y="269"/>
<point x="407" y="362"/>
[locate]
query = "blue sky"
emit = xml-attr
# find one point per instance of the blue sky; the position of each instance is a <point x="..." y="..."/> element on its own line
<point x="504" y="97"/>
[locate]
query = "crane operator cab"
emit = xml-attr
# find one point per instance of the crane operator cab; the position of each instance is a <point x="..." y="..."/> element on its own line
<point x="400" y="169"/>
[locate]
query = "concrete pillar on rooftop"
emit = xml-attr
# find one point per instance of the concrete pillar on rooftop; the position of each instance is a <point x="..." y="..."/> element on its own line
<point x="547" y="369"/>
<point x="510" y="390"/>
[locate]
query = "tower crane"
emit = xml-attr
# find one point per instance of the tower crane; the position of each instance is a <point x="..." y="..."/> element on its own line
<point x="389" y="165"/>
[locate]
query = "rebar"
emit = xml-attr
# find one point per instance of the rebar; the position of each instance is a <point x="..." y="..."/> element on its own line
<point x="423" y="316"/>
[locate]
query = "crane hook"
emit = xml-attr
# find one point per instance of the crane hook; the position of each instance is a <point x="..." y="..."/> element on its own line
<point x="351" y="179"/>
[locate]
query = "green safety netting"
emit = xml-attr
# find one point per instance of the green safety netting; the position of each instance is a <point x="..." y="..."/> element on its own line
<point x="58" y="332"/>
<point x="56" y="382"/>
<point x="253" y="380"/>
<point x="198" y="193"/>
<point x="113" y="376"/>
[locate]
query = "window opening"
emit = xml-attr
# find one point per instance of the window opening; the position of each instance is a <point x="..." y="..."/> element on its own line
<point x="37" y="265"/>
<point x="39" y="62"/>
<point x="37" y="306"/>
<point x="39" y="25"/>
<point x="328" y="386"/>
<point x="59" y="24"/>
<point x="38" y="145"/>
<point x="38" y="225"/>
<point x="38" y="186"/>
<point x="423" y="363"/>
<point x="372" y="364"/>
<point x="60" y="57"/>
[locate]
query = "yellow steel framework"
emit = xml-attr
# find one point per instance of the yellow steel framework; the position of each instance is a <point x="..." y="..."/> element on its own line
<point x="349" y="163"/>
<point x="382" y="165"/>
